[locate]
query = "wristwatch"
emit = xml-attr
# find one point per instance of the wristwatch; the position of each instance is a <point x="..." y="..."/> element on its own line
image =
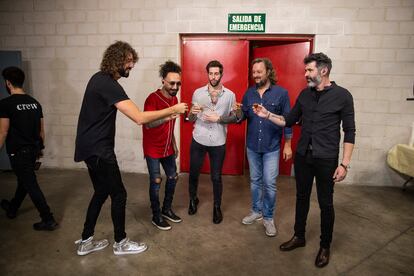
<point x="347" y="167"/>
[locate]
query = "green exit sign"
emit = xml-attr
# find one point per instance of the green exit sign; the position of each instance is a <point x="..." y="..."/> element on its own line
<point x="247" y="23"/>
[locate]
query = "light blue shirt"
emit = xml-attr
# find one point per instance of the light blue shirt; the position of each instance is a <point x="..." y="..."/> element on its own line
<point x="208" y="133"/>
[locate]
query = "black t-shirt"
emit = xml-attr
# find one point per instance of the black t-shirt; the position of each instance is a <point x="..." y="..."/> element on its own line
<point x="96" y="125"/>
<point x="24" y="113"/>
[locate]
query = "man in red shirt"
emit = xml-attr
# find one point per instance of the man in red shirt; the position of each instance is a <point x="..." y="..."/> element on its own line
<point x="160" y="147"/>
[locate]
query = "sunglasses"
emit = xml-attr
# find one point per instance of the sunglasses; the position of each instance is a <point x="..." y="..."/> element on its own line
<point x="173" y="83"/>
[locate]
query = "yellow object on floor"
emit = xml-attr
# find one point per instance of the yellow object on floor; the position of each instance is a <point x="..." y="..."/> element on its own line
<point x="401" y="158"/>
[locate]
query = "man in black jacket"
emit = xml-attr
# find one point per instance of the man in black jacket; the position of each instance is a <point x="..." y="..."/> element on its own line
<point x="321" y="107"/>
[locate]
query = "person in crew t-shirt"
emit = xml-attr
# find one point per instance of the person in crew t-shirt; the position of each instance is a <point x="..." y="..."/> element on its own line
<point x="21" y="128"/>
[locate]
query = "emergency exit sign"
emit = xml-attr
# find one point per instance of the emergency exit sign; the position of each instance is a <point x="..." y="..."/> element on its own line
<point x="247" y="23"/>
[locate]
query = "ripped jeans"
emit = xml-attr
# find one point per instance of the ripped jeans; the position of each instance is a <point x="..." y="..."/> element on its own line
<point x="170" y="169"/>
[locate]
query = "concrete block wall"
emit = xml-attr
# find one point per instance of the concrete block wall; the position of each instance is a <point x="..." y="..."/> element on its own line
<point x="371" y="43"/>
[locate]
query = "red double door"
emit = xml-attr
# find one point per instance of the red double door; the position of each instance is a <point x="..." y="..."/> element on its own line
<point x="236" y="53"/>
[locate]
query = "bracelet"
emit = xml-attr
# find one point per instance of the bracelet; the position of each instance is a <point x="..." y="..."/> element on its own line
<point x="268" y="115"/>
<point x="345" y="167"/>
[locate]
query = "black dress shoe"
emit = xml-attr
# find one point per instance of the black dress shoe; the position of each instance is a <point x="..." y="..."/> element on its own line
<point x="293" y="243"/>
<point x="192" y="208"/>
<point x="322" y="259"/>
<point x="49" y="225"/>
<point x="217" y="215"/>
<point x="5" y="204"/>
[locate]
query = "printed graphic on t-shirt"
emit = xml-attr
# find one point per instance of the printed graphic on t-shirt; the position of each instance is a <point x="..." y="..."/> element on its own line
<point x="26" y="106"/>
<point x="25" y="114"/>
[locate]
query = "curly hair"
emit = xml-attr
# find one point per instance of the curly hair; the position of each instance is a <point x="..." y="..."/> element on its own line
<point x="169" y="67"/>
<point x="269" y="68"/>
<point x="321" y="60"/>
<point x="115" y="56"/>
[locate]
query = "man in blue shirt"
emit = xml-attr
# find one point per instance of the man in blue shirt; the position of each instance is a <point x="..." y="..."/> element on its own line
<point x="263" y="142"/>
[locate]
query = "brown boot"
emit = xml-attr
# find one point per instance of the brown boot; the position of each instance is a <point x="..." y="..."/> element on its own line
<point x="293" y="243"/>
<point x="322" y="259"/>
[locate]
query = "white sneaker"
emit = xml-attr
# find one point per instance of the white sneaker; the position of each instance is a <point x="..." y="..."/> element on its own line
<point x="88" y="246"/>
<point x="252" y="217"/>
<point x="128" y="247"/>
<point x="270" y="227"/>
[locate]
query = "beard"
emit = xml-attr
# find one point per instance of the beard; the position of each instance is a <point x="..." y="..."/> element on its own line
<point x="260" y="82"/>
<point x="124" y="72"/>
<point x="313" y="82"/>
<point x="215" y="83"/>
<point x="172" y="93"/>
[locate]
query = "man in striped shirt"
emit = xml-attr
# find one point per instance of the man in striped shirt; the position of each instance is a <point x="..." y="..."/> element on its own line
<point x="160" y="146"/>
<point x="212" y="105"/>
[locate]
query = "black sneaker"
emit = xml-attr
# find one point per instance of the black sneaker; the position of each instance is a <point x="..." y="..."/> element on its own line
<point x="45" y="225"/>
<point x="171" y="216"/>
<point x="160" y="223"/>
<point x="5" y="205"/>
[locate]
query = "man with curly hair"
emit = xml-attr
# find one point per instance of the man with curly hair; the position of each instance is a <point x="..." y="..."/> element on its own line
<point x="160" y="147"/>
<point x="95" y="142"/>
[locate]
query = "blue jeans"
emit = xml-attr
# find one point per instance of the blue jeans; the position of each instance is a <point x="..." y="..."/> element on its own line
<point x="170" y="169"/>
<point x="264" y="168"/>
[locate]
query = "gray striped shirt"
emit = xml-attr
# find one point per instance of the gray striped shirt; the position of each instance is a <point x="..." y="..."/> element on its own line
<point x="207" y="133"/>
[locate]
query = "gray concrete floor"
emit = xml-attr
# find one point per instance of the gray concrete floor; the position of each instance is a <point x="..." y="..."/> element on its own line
<point x="374" y="232"/>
